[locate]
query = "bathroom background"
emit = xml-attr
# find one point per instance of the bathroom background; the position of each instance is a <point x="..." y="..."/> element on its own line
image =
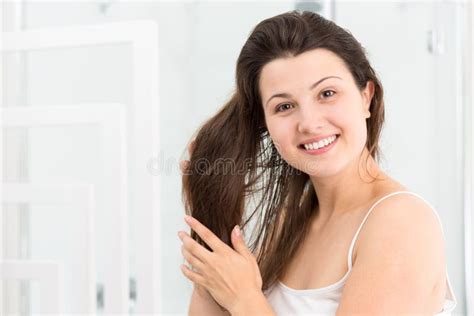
<point x="100" y="98"/>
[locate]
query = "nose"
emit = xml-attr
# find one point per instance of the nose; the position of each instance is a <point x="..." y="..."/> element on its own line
<point x="310" y="120"/>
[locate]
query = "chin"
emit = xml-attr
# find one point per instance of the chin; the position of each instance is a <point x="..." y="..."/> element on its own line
<point x="313" y="167"/>
<point x="310" y="168"/>
<point x="321" y="169"/>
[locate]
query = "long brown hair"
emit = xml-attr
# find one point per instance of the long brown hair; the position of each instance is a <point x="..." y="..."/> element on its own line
<point x="235" y="167"/>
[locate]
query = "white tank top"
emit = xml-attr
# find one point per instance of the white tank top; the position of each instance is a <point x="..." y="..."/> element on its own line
<point x="325" y="300"/>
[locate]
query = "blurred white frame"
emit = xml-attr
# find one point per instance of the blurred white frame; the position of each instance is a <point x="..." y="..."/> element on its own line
<point x="1" y="159"/>
<point x="468" y="156"/>
<point x="142" y="36"/>
<point x="111" y="117"/>
<point x="47" y="273"/>
<point x="82" y="197"/>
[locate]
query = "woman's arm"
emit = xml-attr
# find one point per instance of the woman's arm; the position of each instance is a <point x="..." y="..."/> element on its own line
<point x="202" y="304"/>
<point x="399" y="261"/>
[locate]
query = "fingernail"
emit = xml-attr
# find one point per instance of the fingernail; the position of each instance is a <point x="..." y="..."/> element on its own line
<point x="184" y="164"/>
<point x="237" y="230"/>
<point x="188" y="219"/>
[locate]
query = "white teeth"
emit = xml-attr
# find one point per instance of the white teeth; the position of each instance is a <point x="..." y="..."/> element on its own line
<point x="321" y="143"/>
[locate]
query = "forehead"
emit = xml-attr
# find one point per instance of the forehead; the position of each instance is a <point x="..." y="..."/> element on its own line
<point x="280" y="74"/>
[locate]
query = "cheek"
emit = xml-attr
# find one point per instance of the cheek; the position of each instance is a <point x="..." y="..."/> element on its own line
<point x="278" y="138"/>
<point x="354" y="131"/>
<point x="281" y="137"/>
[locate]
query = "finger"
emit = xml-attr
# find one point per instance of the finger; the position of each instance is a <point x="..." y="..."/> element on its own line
<point x="197" y="264"/>
<point x="206" y="235"/>
<point x="193" y="276"/>
<point x="238" y="242"/>
<point x="183" y="165"/>
<point x="194" y="248"/>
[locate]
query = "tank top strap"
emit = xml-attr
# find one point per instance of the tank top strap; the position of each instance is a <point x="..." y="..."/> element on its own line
<point x="351" y="248"/>
<point x="450" y="289"/>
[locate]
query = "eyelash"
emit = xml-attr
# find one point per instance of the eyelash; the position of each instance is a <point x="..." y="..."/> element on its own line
<point x="279" y="106"/>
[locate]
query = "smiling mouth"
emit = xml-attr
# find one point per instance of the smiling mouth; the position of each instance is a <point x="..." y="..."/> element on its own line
<point x="301" y="146"/>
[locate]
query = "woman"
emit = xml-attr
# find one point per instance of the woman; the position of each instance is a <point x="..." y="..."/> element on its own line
<point x="300" y="136"/>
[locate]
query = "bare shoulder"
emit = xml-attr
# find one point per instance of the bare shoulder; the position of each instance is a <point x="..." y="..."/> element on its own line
<point x="401" y="212"/>
<point x="403" y="218"/>
<point x="406" y="211"/>
<point x="400" y="259"/>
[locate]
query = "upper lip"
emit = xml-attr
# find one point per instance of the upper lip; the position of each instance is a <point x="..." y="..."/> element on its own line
<point x="316" y="139"/>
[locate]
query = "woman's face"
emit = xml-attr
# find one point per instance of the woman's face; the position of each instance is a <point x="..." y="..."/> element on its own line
<point x="310" y="97"/>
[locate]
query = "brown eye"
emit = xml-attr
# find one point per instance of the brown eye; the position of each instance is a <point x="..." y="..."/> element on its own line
<point x="327" y="93"/>
<point x="283" y="107"/>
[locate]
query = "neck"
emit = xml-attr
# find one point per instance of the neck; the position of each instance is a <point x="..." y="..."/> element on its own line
<point x="347" y="190"/>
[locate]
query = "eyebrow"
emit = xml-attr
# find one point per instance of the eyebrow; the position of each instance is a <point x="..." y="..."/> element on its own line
<point x="286" y="95"/>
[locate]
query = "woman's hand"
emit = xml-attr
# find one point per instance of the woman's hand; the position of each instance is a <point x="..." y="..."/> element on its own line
<point x="231" y="276"/>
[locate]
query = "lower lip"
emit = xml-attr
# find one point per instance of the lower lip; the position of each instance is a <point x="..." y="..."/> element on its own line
<point x="321" y="150"/>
